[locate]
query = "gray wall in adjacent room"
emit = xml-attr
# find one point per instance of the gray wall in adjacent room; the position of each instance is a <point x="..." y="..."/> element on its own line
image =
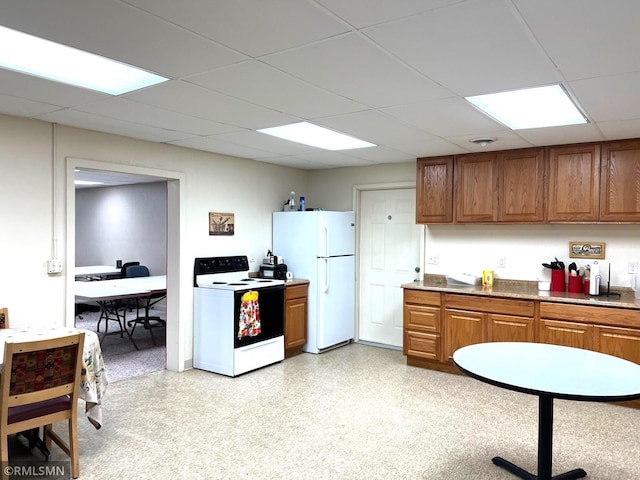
<point x="127" y="223"/>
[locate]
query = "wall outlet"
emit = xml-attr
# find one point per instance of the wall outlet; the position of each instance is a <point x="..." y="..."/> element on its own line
<point x="54" y="266"/>
<point x="632" y="267"/>
<point x="433" y="259"/>
<point x="502" y="262"/>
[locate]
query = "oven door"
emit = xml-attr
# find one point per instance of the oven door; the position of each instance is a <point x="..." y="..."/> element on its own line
<point x="258" y="315"/>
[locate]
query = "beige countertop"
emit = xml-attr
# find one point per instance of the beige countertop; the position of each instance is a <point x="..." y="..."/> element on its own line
<point x="520" y="289"/>
<point x="295" y="281"/>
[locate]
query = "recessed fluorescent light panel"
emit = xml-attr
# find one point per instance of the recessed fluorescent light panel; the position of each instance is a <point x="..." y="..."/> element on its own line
<point x="530" y="108"/>
<point x="42" y="58"/>
<point x="315" y="136"/>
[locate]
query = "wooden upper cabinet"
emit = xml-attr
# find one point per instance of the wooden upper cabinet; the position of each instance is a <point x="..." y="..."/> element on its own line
<point x="434" y="190"/>
<point x="521" y="185"/>
<point x="573" y="183"/>
<point x="620" y="182"/>
<point x="476" y="188"/>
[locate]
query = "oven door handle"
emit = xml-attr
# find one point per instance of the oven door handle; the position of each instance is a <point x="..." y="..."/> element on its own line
<point x="260" y="344"/>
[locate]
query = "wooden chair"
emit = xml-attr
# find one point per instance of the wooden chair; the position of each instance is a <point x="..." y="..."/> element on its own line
<point x="39" y="386"/>
<point x="4" y="318"/>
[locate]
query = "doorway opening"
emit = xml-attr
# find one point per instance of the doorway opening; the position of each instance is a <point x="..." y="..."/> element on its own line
<point x="174" y="204"/>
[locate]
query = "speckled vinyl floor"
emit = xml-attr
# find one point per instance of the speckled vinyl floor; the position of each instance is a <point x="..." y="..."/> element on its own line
<point x="357" y="412"/>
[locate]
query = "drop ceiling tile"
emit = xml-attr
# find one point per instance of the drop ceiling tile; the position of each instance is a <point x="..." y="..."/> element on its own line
<point x="89" y="121"/>
<point x="487" y="51"/>
<point x="289" y="161"/>
<point x="334" y="159"/>
<point x="46" y="91"/>
<point x="363" y="13"/>
<point x="609" y="98"/>
<point x="618" y="130"/>
<point x="10" y="105"/>
<point x="586" y="38"/>
<point x="430" y="146"/>
<point x="379" y="155"/>
<point x="268" y="143"/>
<point x="211" y="144"/>
<point x="200" y="102"/>
<point x="263" y="85"/>
<point x="561" y="135"/>
<point x="254" y="27"/>
<point x="118" y="107"/>
<point x="121" y="32"/>
<point x="373" y="126"/>
<point x="445" y="118"/>
<point x="352" y="66"/>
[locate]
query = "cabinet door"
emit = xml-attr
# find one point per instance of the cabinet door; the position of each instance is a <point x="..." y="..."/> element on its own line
<point x="620" y="182"/>
<point x="569" y="334"/>
<point x="295" y="334"/>
<point x="620" y="342"/>
<point x="476" y="188"/>
<point x="574" y="183"/>
<point x="521" y="186"/>
<point x="434" y="190"/>
<point x="462" y="329"/>
<point x="508" y="328"/>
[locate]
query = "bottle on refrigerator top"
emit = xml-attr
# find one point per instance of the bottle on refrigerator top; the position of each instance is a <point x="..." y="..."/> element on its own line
<point x="291" y="203"/>
<point x="302" y="204"/>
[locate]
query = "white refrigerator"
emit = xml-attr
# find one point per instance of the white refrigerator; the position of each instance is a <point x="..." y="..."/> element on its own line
<point x="320" y="246"/>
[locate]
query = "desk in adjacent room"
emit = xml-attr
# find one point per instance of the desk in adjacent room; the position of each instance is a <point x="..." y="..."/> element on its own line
<point x="120" y="289"/>
<point x="549" y="371"/>
<point x="100" y="271"/>
<point x="93" y="382"/>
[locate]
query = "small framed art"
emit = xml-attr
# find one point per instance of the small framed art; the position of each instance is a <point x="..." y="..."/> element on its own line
<point x="586" y="250"/>
<point x="221" y="223"/>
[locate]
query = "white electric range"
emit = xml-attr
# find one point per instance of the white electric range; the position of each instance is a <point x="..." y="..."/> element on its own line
<point x="238" y="320"/>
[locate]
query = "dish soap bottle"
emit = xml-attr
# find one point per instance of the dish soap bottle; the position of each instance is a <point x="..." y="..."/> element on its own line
<point x="302" y="204"/>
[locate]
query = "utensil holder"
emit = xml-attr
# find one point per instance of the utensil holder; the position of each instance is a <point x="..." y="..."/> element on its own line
<point x="575" y="284"/>
<point x="557" y="281"/>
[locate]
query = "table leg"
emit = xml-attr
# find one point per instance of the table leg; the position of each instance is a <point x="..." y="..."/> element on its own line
<point x="545" y="449"/>
<point x="123" y="328"/>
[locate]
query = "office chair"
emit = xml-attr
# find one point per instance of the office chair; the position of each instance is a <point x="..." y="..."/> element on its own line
<point x="4" y="317"/>
<point x="39" y="387"/>
<point x="147" y="302"/>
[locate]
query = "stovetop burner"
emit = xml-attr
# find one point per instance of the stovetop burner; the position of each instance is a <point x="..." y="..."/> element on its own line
<point x="228" y="273"/>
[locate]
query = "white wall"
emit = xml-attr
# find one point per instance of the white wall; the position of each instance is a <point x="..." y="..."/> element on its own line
<point x="33" y="166"/>
<point x="125" y="222"/>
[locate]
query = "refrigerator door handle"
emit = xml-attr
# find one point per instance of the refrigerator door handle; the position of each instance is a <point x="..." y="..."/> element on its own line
<point x="325" y="286"/>
<point x="325" y="229"/>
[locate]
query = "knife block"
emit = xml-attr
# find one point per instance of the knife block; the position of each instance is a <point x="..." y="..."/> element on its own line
<point x="557" y="281"/>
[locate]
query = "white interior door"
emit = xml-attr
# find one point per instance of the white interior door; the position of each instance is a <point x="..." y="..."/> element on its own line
<point x="389" y="248"/>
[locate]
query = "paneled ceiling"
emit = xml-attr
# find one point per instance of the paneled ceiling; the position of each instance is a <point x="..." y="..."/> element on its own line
<point x="393" y="73"/>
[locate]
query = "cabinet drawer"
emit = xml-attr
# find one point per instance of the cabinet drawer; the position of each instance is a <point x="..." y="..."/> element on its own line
<point x="422" y="318"/>
<point x="295" y="291"/>
<point x="421" y="297"/>
<point x="478" y="303"/>
<point x="423" y="345"/>
<point x="620" y="317"/>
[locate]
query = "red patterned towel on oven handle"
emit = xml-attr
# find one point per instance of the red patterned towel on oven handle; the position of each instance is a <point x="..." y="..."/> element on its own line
<point x="249" y="321"/>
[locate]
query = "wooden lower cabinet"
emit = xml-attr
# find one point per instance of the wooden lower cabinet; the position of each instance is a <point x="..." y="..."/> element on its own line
<point x="422" y="329"/>
<point x="614" y="331"/>
<point x="569" y="334"/>
<point x="295" y="318"/>
<point x="477" y="319"/>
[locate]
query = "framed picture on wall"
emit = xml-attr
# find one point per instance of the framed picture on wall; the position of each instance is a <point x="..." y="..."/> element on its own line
<point x="586" y="250"/>
<point x="221" y="223"/>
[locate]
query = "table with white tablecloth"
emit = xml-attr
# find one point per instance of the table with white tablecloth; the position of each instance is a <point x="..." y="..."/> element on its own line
<point x="93" y="382"/>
